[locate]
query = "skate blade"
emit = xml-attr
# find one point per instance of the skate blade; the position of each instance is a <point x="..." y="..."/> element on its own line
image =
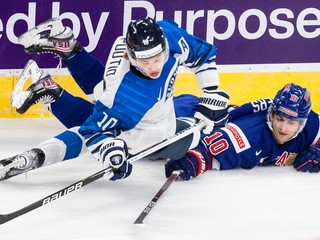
<point x="5" y="169"/>
<point x="18" y="96"/>
<point x="33" y="35"/>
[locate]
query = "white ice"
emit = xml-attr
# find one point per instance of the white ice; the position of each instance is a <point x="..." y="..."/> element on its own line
<point x="263" y="203"/>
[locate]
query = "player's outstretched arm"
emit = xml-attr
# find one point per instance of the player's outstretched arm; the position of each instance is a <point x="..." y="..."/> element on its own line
<point x="193" y="164"/>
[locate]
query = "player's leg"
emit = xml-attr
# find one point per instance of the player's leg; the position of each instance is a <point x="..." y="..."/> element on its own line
<point x="179" y="148"/>
<point x="65" y="146"/>
<point x="184" y="106"/>
<point x="43" y="88"/>
<point x="52" y="37"/>
<point x="70" y="110"/>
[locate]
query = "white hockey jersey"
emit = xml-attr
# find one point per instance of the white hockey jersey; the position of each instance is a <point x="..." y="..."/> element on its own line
<point x="138" y="109"/>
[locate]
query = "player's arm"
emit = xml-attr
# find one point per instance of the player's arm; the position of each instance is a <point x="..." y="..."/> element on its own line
<point x="250" y="108"/>
<point x="193" y="164"/>
<point x="213" y="103"/>
<point x="100" y="132"/>
<point x="98" y="127"/>
<point x="199" y="56"/>
<point x="217" y="150"/>
<point x="196" y="54"/>
<point x="201" y="60"/>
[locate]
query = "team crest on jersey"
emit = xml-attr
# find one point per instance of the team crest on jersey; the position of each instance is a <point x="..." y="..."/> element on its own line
<point x="286" y="159"/>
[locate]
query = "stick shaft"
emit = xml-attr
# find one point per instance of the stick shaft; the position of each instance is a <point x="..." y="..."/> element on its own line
<point x="77" y="185"/>
<point x="154" y="200"/>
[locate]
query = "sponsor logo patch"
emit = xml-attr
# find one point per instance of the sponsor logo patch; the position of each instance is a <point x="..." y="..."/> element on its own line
<point x="237" y="137"/>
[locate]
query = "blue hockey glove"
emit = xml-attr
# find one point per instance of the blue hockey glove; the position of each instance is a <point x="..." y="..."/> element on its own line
<point x="309" y="160"/>
<point x="193" y="164"/>
<point x="115" y="152"/>
<point x="213" y="109"/>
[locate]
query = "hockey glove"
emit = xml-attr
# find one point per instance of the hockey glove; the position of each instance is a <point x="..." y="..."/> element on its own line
<point x="115" y="152"/>
<point x="213" y="109"/>
<point x="193" y="164"/>
<point x="309" y="160"/>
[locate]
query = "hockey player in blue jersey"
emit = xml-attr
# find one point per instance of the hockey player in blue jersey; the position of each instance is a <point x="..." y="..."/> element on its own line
<point x="133" y="103"/>
<point x="280" y="132"/>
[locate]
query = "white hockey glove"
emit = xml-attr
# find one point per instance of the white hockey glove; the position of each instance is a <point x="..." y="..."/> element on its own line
<point x="213" y="109"/>
<point x="115" y="152"/>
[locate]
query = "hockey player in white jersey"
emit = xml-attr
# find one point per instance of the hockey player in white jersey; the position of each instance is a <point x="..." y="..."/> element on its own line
<point x="133" y="103"/>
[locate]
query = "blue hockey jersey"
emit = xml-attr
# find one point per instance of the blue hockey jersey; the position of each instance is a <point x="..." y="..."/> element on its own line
<point x="247" y="141"/>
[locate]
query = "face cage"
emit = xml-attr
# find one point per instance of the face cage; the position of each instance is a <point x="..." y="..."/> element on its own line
<point x="302" y="123"/>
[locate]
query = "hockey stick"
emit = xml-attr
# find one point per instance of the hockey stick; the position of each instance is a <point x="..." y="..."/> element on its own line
<point x="154" y="200"/>
<point x="75" y="186"/>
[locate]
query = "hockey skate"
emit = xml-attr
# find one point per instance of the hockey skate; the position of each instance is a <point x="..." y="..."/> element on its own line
<point x="50" y="37"/>
<point x="19" y="164"/>
<point x="43" y="88"/>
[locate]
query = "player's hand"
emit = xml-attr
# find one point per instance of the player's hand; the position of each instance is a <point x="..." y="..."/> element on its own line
<point x="309" y="160"/>
<point x="192" y="165"/>
<point x="115" y="152"/>
<point x="122" y="172"/>
<point x="213" y="109"/>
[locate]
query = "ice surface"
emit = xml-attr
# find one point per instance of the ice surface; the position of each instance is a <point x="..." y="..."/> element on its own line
<point x="263" y="203"/>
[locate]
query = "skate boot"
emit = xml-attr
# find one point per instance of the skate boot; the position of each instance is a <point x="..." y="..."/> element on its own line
<point x="25" y="162"/>
<point x="43" y="88"/>
<point x="50" y="37"/>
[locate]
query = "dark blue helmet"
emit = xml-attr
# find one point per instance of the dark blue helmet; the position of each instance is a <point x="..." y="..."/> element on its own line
<point x="292" y="102"/>
<point x="145" y="39"/>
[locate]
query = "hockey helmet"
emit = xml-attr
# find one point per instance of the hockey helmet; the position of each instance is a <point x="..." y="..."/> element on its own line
<point x="145" y="39"/>
<point x="292" y="102"/>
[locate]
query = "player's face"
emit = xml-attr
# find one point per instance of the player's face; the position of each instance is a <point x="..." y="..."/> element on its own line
<point x="152" y="67"/>
<point x="283" y="128"/>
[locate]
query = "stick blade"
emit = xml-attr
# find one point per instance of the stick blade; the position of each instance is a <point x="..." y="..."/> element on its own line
<point x="138" y="221"/>
<point x="4" y="219"/>
<point x="140" y="218"/>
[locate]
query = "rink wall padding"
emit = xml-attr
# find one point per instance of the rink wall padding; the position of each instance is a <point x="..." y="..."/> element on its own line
<point x="242" y="87"/>
<point x="245" y="87"/>
<point x="261" y="46"/>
